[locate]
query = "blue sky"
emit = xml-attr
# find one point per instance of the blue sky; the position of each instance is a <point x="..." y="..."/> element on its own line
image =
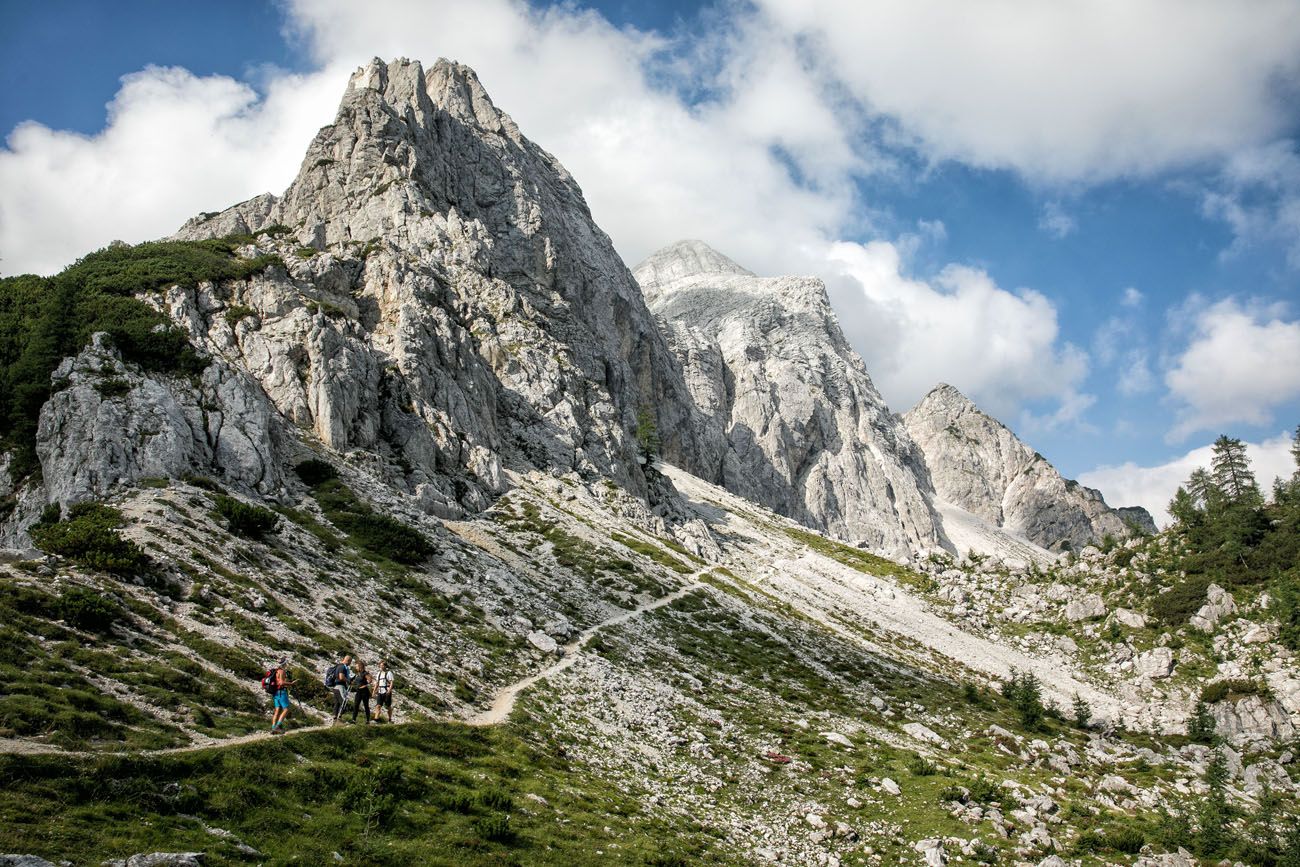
<point x="1098" y="240"/>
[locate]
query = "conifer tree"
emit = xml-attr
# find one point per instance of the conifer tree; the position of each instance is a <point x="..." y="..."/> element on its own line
<point x="1215" y="811"/>
<point x="1295" y="453"/>
<point x="1202" y="489"/>
<point x="1231" y="473"/>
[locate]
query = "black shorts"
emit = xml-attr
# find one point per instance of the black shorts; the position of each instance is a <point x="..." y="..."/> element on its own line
<point x="384" y="699"/>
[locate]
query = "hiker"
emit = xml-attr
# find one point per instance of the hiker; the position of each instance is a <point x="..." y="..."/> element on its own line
<point x="384" y="690"/>
<point x="336" y="681"/>
<point x="361" y="683"/>
<point x="280" y="698"/>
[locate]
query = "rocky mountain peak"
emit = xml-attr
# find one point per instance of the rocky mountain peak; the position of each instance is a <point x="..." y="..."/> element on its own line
<point x="482" y="319"/>
<point x="979" y="465"/>
<point x="787" y="412"/>
<point x="682" y="259"/>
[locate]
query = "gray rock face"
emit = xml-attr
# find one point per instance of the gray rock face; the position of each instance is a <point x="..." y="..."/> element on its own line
<point x="976" y="463"/>
<point x="788" y="416"/>
<point x="1252" y="720"/>
<point x="1156" y="663"/>
<point x="111" y="426"/>
<point x="1218" y="605"/>
<point x="449" y="302"/>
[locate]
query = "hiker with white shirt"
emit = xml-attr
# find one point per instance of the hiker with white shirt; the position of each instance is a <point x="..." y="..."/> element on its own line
<point x="383" y="690"/>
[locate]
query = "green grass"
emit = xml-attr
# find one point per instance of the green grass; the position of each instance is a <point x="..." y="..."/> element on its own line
<point x="856" y="558"/>
<point x="376" y="534"/>
<point x="428" y="793"/>
<point x="654" y="552"/>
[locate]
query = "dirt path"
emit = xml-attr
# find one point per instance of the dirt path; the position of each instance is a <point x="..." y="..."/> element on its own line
<point x="503" y="702"/>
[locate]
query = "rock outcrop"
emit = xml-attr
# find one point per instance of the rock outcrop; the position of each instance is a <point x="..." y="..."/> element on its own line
<point x="976" y="463"/>
<point x="448" y="305"/>
<point x="787" y="414"/>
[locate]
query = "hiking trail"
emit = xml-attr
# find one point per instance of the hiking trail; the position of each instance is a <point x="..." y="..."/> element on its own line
<point x="503" y="701"/>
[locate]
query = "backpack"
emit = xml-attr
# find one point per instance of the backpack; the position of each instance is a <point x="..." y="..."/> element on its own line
<point x="268" y="681"/>
<point x="332" y="675"/>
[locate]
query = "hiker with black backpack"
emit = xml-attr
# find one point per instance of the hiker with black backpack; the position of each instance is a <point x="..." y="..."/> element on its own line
<point x="278" y="686"/>
<point x="361" y="683"/>
<point x="336" y="681"/>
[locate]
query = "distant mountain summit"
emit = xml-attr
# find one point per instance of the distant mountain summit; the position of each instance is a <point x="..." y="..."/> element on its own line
<point x="979" y="465"/>
<point x="680" y="260"/>
<point x="794" y="419"/>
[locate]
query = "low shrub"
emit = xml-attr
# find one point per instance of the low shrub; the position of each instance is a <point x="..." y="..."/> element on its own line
<point x="495" y="799"/>
<point x="89" y="538"/>
<point x="239" y="312"/>
<point x="370" y="531"/>
<point x="920" y="766"/>
<point x="1233" y="689"/>
<point x="85" y="609"/>
<point x="244" y="519"/>
<point x="1175" y="606"/>
<point x="984" y="791"/>
<point x="314" y="471"/>
<point x="495" y="827"/>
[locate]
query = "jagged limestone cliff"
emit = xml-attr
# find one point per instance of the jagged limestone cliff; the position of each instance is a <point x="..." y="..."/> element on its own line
<point x="804" y="430"/>
<point x="449" y="304"/>
<point x="979" y="465"/>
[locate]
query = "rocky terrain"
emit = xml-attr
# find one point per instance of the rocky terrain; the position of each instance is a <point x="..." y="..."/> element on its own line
<point x="978" y="465"/>
<point x="425" y="413"/>
<point x="806" y="432"/>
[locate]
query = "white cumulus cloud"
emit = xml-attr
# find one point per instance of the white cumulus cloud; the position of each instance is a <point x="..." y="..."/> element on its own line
<point x="1239" y="365"/>
<point x="174" y="144"/>
<point x="1064" y="91"/>
<point x="1153" y="487"/>
<point x="999" y="347"/>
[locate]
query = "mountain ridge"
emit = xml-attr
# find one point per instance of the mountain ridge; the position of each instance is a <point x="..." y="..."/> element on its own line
<point x="978" y="464"/>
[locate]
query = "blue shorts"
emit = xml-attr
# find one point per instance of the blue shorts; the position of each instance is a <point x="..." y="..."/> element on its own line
<point x="282" y="698"/>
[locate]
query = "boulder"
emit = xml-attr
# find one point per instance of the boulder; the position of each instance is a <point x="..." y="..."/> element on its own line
<point x="1085" y="608"/>
<point x="1218" y="605"/>
<point x="543" y="642"/>
<point x="837" y="738"/>
<point x="924" y="733"/>
<point x="1131" y="619"/>
<point x="1157" y="663"/>
<point x="932" y="852"/>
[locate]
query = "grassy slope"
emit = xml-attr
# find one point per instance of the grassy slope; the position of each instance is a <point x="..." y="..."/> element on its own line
<point x="739" y="667"/>
<point x="426" y="793"/>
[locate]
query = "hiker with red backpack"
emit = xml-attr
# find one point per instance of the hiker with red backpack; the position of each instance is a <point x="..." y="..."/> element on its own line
<point x="277" y="683"/>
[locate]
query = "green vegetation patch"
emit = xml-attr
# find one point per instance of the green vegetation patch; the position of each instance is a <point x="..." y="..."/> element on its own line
<point x="427" y="793"/>
<point x="1232" y="690"/>
<point x="89" y="537"/>
<point x="378" y="535"/>
<point x="245" y="519"/>
<point x="856" y="558"/>
<point x="653" y="551"/>
<point x="45" y="319"/>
